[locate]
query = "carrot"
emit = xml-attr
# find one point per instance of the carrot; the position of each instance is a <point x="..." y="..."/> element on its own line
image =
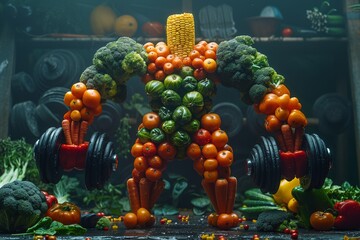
<point x="288" y="137"/>
<point x="82" y="132"/>
<point x="145" y="188"/>
<point x="232" y="186"/>
<point x="299" y="134"/>
<point x="280" y="140"/>
<point x="75" y="126"/>
<point x="210" y="191"/>
<point x="156" y="191"/>
<point x="66" y="128"/>
<point x="221" y="194"/>
<point x="133" y="192"/>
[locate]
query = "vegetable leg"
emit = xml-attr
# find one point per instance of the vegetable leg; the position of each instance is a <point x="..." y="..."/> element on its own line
<point x="232" y="186"/>
<point x="66" y="128"/>
<point x="134" y="197"/>
<point x="221" y="193"/>
<point x="156" y="191"/>
<point x="288" y="137"/>
<point x="210" y="191"/>
<point x="145" y="188"/>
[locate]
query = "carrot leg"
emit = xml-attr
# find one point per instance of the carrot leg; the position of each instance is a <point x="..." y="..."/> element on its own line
<point x="75" y="126"/>
<point x="133" y="192"/>
<point x="288" y="137"/>
<point x="145" y="188"/>
<point x="66" y="128"/>
<point x="82" y="132"/>
<point x="156" y="192"/>
<point x="210" y="191"/>
<point x="221" y="193"/>
<point x="232" y="186"/>
<point x="280" y="140"/>
<point x="299" y="134"/>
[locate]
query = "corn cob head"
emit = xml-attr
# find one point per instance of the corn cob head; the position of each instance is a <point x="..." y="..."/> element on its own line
<point x="180" y="34"/>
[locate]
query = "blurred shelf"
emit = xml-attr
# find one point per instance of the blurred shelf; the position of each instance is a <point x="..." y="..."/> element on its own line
<point x="88" y="41"/>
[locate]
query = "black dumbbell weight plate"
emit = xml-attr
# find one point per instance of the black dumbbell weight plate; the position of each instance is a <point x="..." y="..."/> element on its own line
<point x="309" y="179"/>
<point x="108" y="161"/>
<point x="44" y="153"/>
<point x="325" y="163"/>
<point x="261" y="166"/>
<point x="53" y="167"/>
<point x="276" y="162"/>
<point x="317" y="163"/>
<point x="253" y="165"/>
<point x="267" y="164"/>
<point x="99" y="159"/>
<point x="89" y="159"/>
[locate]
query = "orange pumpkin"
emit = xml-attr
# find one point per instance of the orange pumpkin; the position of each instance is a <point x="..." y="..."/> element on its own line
<point x="102" y="20"/>
<point x="125" y="25"/>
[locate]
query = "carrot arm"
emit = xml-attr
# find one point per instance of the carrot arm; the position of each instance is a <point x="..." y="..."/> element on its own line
<point x="299" y="134"/>
<point x="288" y="137"/>
<point x="221" y="194"/>
<point x="156" y="191"/>
<point x="280" y="140"/>
<point x="75" y="126"/>
<point x="66" y="128"/>
<point x="210" y="191"/>
<point x="145" y="187"/>
<point x="232" y="186"/>
<point x="82" y="132"/>
<point x="133" y="192"/>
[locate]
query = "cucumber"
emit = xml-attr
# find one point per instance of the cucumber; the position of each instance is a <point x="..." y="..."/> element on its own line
<point x="253" y="212"/>
<point x="254" y="203"/>
<point x="256" y="195"/>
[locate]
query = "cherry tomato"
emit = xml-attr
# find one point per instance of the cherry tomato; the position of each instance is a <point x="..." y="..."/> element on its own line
<point x="149" y="149"/>
<point x="202" y="137"/>
<point x="287" y="32"/>
<point x="322" y="221"/>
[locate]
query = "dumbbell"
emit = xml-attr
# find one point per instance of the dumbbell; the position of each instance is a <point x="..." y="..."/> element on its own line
<point x="97" y="157"/>
<point x="266" y="164"/>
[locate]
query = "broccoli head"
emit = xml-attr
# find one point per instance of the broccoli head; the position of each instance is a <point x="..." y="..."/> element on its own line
<point x="257" y="92"/>
<point x="260" y="61"/>
<point x="103" y="223"/>
<point x="22" y="204"/>
<point x="270" y="221"/>
<point x="99" y="81"/>
<point x="109" y="59"/>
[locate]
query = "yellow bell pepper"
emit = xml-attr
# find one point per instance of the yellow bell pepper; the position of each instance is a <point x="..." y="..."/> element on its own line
<point x="283" y="194"/>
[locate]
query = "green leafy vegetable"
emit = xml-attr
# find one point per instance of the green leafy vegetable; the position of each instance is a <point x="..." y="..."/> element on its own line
<point x="339" y="193"/>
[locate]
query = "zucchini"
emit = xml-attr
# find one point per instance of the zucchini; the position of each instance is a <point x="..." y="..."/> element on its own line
<point x="256" y="195"/>
<point x="254" y="203"/>
<point x="253" y="212"/>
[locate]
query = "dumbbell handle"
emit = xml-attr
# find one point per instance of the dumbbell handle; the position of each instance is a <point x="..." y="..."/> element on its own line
<point x="73" y="156"/>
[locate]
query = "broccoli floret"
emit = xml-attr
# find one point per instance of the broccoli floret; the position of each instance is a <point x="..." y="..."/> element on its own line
<point x="103" y="223"/>
<point x="94" y="79"/>
<point x="260" y="61"/>
<point x="22" y="204"/>
<point x="264" y="76"/>
<point x="109" y="59"/>
<point x="257" y="92"/>
<point x="245" y="39"/>
<point x="270" y="221"/>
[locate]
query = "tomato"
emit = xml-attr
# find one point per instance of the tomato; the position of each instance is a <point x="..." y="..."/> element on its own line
<point x="78" y="89"/>
<point x="168" y="68"/>
<point x="76" y="104"/>
<point x="151" y="120"/>
<point x="269" y="103"/>
<point x="187" y="61"/>
<point x="210" y="54"/>
<point x="66" y="213"/>
<point x="212" y="219"/>
<point x="147" y="78"/>
<point x="151" y="68"/>
<point x="148" y="44"/>
<point x="68" y="97"/>
<point x="162" y="50"/>
<point x="91" y="98"/>
<point x="143" y="216"/>
<point x="281" y="113"/>
<point x="87" y="114"/>
<point x="194" y="54"/>
<point x="209" y="151"/>
<point x="199" y="165"/>
<point x="202" y="137"/>
<point x="294" y="104"/>
<point x="150" y="49"/>
<point x="130" y="220"/>
<point x="149" y="149"/>
<point x="225" y="158"/>
<point x="211" y="122"/>
<point x="140" y="163"/>
<point x="284" y="101"/>
<point x="153" y="174"/>
<point x="155" y="162"/>
<point x="136" y="150"/>
<point x="152" y="56"/>
<point x="75" y="115"/>
<point x="137" y="175"/>
<point x="153" y="29"/>
<point x="160" y="75"/>
<point x="197" y="63"/>
<point x="166" y="151"/>
<point x="211" y="176"/>
<point x="200" y="48"/>
<point x="219" y="138"/>
<point x="177" y="63"/>
<point x="212" y="46"/>
<point x="280" y="90"/>
<point x="225" y="221"/>
<point x="235" y="218"/>
<point x="322" y="221"/>
<point x="210" y="164"/>
<point x="160" y="61"/>
<point x="209" y="65"/>
<point x="199" y="73"/>
<point x="160" y="43"/>
<point x="287" y="32"/>
<point x="193" y="151"/>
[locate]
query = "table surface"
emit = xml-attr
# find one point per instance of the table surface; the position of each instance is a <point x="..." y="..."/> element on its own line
<point x="194" y="229"/>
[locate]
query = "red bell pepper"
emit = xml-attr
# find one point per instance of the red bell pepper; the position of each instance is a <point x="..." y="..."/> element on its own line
<point x="73" y="156"/>
<point x="348" y="217"/>
<point x="50" y="199"/>
<point x="293" y="164"/>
